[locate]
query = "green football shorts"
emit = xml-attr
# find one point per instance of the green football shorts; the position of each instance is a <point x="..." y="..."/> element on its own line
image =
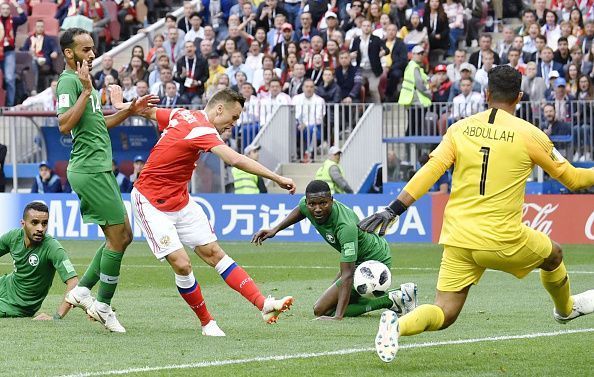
<point x="100" y="198"/>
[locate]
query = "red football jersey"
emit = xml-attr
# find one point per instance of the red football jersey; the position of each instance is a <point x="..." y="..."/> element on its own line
<point x="168" y="170"/>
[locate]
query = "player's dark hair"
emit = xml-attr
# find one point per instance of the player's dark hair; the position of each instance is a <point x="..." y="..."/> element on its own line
<point x="317" y="187"/>
<point x="504" y="83"/>
<point x="67" y="39"/>
<point x="35" y="206"/>
<point x="226" y="96"/>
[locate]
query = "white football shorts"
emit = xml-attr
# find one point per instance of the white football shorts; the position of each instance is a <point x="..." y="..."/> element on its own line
<point x="167" y="232"/>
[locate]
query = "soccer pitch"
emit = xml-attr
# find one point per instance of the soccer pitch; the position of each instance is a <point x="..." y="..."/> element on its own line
<point x="506" y="327"/>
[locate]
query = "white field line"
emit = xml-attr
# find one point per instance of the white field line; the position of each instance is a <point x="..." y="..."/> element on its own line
<point x="216" y="363"/>
<point x="282" y="267"/>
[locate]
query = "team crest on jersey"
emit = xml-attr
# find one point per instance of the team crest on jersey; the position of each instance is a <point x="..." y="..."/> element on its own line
<point x="33" y="260"/>
<point x="165" y="241"/>
<point x="330" y="238"/>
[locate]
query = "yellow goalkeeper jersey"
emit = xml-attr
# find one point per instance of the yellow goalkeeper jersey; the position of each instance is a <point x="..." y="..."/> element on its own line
<point x="493" y="153"/>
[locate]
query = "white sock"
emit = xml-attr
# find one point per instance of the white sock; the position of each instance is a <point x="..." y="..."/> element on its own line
<point x="224" y="264"/>
<point x="185" y="281"/>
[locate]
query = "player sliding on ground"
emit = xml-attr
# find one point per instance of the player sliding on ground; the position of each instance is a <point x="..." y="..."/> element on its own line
<point x="493" y="154"/>
<point x="170" y="219"/>
<point x="90" y="173"/>
<point x="36" y="257"/>
<point x="337" y="224"/>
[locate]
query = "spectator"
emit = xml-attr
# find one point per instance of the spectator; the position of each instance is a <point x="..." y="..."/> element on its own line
<point x="240" y="79"/>
<point x="317" y="69"/>
<point x="368" y="51"/>
<point x="317" y="8"/>
<point x="454" y="68"/>
<point x="295" y="85"/>
<point x="127" y="18"/>
<point x="513" y="56"/>
<point x="240" y="42"/>
<point x="572" y="79"/>
<point x="196" y="31"/>
<point x="172" y="97"/>
<point x="455" y="12"/>
<point x="248" y="183"/>
<point x="348" y="79"/>
<point x="236" y="66"/>
<point x="262" y="91"/>
<point x="158" y="41"/>
<point x="43" y="52"/>
<point x="225" y="52"/>
<point x="582" y="131"/>
<point x="436" y="22"/>
<point x="317" y="47"/>
<point x="564" y="103"/>
<point x="530" y="39"/>
<point x="174" y="46"/>
<point x="248" y="124"/>
<point x="306" y="30"/>
<point x="399" y="13"/>
<point x="332" y="51"/>
<point x="275" y="35"/>
<point x="414" y="33"/>
<point x="165" y="77"/>
<point x="585" y="41"/>
<point x="97" y="12"/>
<point x="554" y="127"/>
<point x="587" y="61"/>
<point x="267" y="63"/>
<point x="214" y="70"/>
<point x="547" y="64"/>
<point x="328" y="89"/>
<point x="551" y="30"/>
<point x="528" y="18"/>
<point x="155" y="75"/>
<point x="46" y="182"/>
<point x="332" y="173"/>
<point x="254" y="56"/>
<point x="466" y="103"/>
<point x="396" y="60"/>
<point x="540" y="10"/>
<point x="248" y="18"/>
<point x="128" y="89"/>
<point x="562" y="54"/>
<point x="192" y="74"/>
<point x="104" y="96"/>
<point x="532" y="85"/>
<point x="482" y="76"/>
<point x="3" y="151"/>
<point x="185" y="23"/>
<point x="415" y="93"/>
<point x="280" y="50"/>
<point x="46" y="100"/>
<point x="270" y="103"/>
<point x="171" y="23"/>
<point x="565" y="11"/>
<point x="473" y="13"/>
<point x="139" y="162"/>
<point x="8" y="64"/>
<point x="310" y="110"/>
<point x="549" y="92"/>
<point x="476" y="59"/>
<point x="518" y="44"/>
<point x="566" y="32"/>
<point x="331" y="25"/>
<point x="540" y="43"/>
<point x="123" y="181"/>
<point x="136" y="69"/>
<point x="205" y="49"/>
<point x="142" y="88"/>
<point x="381" y="32"/>
<point x="440" y="84"/>
<point x="504" y="44"/>
<point x="107" y="69"/>
<point x="355" y="12"/>
<point x="467" y="71"/>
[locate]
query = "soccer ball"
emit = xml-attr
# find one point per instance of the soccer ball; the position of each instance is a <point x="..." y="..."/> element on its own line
<point x="372" y="279"/>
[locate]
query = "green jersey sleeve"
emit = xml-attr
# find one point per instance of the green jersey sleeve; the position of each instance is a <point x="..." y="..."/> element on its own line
<point x="303" y="207"/>
<point x="68" y="91"/>
<point x="348" y="239"/>
<point x="61" y="262"/>
<point x="5" y="244"/>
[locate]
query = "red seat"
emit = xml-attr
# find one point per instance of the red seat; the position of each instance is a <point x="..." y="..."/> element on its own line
<point x="52" y="26"/>
<point x="44" y="9"/>
<point x="60" y="169"/>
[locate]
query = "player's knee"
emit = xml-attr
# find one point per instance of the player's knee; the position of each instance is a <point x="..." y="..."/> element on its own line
<point x="318" y="310"/>
<point x="448" y="320"/>
<point x="554" y="259"/>
<point x="184" y="268"/>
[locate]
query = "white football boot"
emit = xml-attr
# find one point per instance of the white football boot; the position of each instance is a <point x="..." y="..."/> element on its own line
<point x="583" y="304"/>
<point x="103" y="314"/>
<point x="404" y="299"/>
<point x="273" y="308"/>
<point x="80" y="297"/>
<point x="386" y="340"/>
<point x="212" y="329"/>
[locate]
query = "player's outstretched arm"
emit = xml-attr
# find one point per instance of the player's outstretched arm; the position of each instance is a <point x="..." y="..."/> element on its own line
<point x="293" y="218"/>
<point x="64" y="307"/>
<point x="143" y="106"/>
<point x="231" y="157"/>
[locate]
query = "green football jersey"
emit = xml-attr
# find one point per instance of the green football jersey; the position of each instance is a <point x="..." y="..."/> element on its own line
<point x="27" y="286"/>
<point x="91" y="146"/>
<point x="342" y="233"/>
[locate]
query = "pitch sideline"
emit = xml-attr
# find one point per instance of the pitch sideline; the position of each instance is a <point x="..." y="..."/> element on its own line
<point x="216" y="363"/>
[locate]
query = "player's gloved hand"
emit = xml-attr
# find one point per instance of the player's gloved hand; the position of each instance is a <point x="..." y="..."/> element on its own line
<point x="384" y="219"/>
<point x="262" y="235"/>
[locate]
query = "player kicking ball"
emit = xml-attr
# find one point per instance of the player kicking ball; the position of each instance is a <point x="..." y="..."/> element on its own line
<point x="493" y="153"/>
<point x="337" y="224"/>
<point x="170" y="219"/>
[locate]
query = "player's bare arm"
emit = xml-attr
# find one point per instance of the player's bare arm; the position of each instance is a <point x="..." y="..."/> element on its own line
<point x="231" y="157"/>
<point x="143" y="106"/>
<point x="347" y="270"/>
<point x="64" y="307"/>
<point x="68" y="120"/>
<point x="293" y="218"/>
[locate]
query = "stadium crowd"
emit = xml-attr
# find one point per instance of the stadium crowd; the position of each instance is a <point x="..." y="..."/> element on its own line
<point x="314" y="52"/>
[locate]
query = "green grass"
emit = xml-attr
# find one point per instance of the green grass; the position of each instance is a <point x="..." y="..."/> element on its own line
<point x="163" y="331"/>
